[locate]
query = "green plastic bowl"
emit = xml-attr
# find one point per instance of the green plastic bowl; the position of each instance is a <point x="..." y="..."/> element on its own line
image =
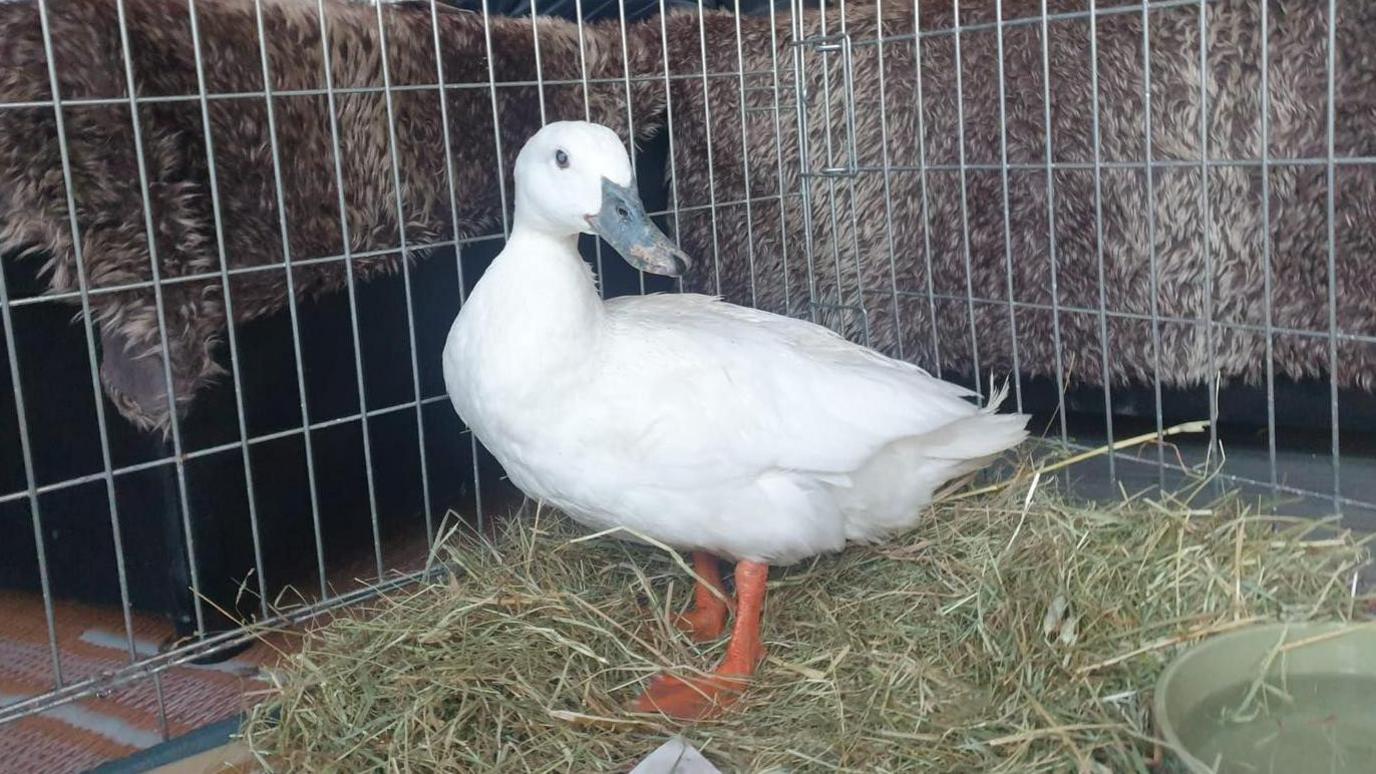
<point x="1273" y="699"/>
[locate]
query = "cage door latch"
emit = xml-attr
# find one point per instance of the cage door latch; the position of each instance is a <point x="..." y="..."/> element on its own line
<point x="838" y="44"/>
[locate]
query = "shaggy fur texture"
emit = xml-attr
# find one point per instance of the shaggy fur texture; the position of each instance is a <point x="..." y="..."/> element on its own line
<point x="883" y="257"/>
<point x="110" y="216"/>
<point x="899" y="275"/>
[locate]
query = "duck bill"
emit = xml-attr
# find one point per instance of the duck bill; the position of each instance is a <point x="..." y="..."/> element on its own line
<point x="626" y="226"/>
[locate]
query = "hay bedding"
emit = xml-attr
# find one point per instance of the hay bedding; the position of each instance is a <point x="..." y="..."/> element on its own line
<point x="1011" y="631"/>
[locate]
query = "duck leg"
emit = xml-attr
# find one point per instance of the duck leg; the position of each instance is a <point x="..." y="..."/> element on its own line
<point x="707" y="620"/>
<point x="695" y="698"/>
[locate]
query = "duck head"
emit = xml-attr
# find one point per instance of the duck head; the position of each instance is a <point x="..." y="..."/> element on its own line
<point x="574" y="177"/>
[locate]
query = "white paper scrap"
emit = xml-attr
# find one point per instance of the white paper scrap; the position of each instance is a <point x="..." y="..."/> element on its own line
<point x="675" y="756"/>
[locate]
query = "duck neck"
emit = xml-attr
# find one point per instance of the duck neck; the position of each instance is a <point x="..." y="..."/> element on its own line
<point x="559" y="311"/>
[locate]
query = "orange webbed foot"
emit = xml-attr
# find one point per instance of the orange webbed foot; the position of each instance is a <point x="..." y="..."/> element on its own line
<point x="707" y="620"/>
<point x="698" y="698"/>
<point x="691" y="698"/>
<point x="702" y="624"/>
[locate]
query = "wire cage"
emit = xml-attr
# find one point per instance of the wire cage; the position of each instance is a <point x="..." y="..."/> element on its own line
<point x="235" y="234"/>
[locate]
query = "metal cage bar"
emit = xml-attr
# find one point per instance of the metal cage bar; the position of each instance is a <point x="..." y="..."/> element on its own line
<point x="630" y="112"/>
<point x="395" y="153"/>
<point x="707" y="121"/>
<point x="827" y="41"/>
<point x="587" y="116"/>
<point x="478" y="513"/>
<point x="745" y="157"/>
<point x="496" y="118"/>
<point x="350" y="283"/>
<point x="923" y="181"/>
<point x="83" y="286"/>
<point x="49" y="298"/>
<point x="1007" y="209"/>
<point x="797" y="33"/>
<point x="1153" y="263"/>
<point x="1099" y="239"/>
<point x="668" y="129"/>
<point x="1330" y="206"/>
<point x="1204" y="224"/>
<point x="1051" y="225"/>
<point x="888" y="187"/>
<point x="778" y="156"/>
<point x="251" y="94"/>
<point x="1267" y="269"/>
<point x="31" y="490"/>
<point x="150" y="233"/>
<point x="539" y="69"/>
<point x="212" y="173"/>
<point x="965" y="201"/>
<point x="848" y="83"/>
<point x="281" y="200"/>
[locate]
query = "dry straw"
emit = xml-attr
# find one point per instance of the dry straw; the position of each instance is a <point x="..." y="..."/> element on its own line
<point x="1014" y="630"/>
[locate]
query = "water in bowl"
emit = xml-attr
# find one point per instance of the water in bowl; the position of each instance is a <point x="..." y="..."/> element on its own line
<point x="1316" y="723"/>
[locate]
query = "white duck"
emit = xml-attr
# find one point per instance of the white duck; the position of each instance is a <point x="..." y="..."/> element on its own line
<point x="717" y="429"/>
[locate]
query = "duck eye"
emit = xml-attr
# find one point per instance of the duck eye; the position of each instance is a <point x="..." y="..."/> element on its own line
<point x="562" y="159"/>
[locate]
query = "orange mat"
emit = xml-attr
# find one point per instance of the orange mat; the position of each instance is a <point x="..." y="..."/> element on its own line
<point x="76" y="736"/>
<point x="91" y="640"/>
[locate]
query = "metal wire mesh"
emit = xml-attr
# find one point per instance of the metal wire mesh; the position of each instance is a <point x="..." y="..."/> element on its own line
<point x="808" y="91"/>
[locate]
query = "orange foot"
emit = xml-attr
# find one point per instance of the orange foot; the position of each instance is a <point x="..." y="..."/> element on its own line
<point x="697" y="698"/>
<point x="703" y="624"/>
<point x="707" y="620"/>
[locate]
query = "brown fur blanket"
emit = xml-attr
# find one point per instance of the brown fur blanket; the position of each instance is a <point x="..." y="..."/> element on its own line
<point x="880" y="271"/>
<point x="109" y="201"/>
<point x="877" y="271"/>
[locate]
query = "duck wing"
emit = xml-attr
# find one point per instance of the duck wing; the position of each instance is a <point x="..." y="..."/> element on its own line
<point x="722" y="390"/>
